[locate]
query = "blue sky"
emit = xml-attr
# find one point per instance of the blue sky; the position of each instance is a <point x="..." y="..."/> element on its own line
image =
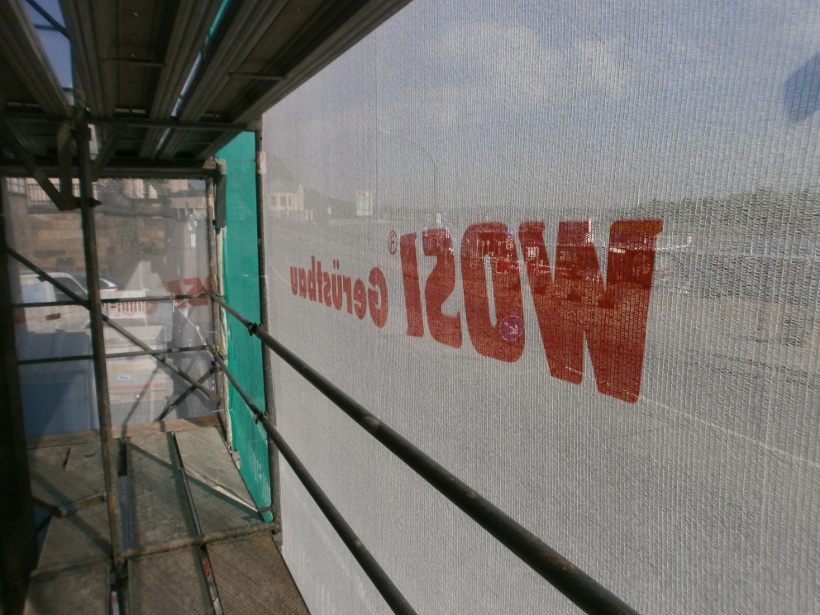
<point x="608" y="103"/>
<point x="591" y="101"/>
<point x="56" y="45"/>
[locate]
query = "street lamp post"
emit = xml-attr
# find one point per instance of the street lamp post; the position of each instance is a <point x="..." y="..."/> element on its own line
<point x="426" y="153"/>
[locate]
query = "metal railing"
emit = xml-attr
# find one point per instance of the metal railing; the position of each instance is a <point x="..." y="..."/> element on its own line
<point x="576" y="585"/>
<point x="584" y="591"/>
<point x="157" y="354"/>
<point x="371" y="567"/>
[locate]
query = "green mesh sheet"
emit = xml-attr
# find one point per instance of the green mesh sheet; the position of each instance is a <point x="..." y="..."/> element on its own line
<point x="240" y="275"/>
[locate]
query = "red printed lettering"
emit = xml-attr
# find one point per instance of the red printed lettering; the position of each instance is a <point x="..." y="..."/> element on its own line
<point x="445" y="328"/>
<point x="377" y="297"/>
<point x="311" y="279"/>
<point x="175" y="289"/>
<point x="337" y="290"/>
<point x="412" y="285"/>
<point x="326" y="289"/>
<point x="359" y="299"/>
<point x="196" y="287"/>
<point x="500" y="335"/>
<point x="346" y="287"/>
<point x="302" y="283"/>
<point x="576" y="304"/>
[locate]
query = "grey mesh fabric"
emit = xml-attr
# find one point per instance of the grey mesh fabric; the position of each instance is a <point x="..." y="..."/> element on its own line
<point x="151" y="242"/>
<point x="570" y="250"/>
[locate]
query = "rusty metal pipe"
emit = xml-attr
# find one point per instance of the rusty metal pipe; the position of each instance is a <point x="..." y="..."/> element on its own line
<point x="185" y="395"/>
<point x="98" y="346"/>
<point x="217" y="338"/>
<point x="371" y="567"/>
<point x="203" y="539"/>
<point x="109" y="300"/>
<point x="113" y="324"/>
<point x="115" y="355"/>
<point x="589" y="595"/>
<point x="267" y="373"/>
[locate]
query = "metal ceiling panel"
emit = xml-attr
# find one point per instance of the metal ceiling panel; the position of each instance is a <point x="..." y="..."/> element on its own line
<point x="240" y="30"/>
<point x="306" y="36"/>
<point x="27" y="59"/>
<point x="243" y="31"/>
<point x="303" y="61"/>
<point x="91" y="27"/>
<point x="12" y="90"/>
<point x="143" y="31"/>
<point x="168" y="83"/>
<point x="192" y="24"/>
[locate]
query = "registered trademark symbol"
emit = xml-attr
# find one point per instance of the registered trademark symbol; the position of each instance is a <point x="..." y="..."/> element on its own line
<point x="511" y="328"/>
<point x="392" y="242"/>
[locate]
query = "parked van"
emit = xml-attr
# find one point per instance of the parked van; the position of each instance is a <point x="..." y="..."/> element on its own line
<point x="50" y="318"/>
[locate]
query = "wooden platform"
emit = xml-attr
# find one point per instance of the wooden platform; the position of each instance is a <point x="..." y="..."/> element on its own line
<point x="79" y="591"/>
<point x="195" y="541"/>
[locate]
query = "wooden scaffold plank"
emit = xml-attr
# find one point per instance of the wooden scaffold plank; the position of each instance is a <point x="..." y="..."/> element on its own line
<point x="83" y="591"/>
<point x="221" y="499"/>
<point x="67" y="478"/>
<point x="168" y="584"/>
<point x="252" y="577"/>
<point x="159" y="509"/>
<point x="80" y="538"/>
<point x="60" y="490"/>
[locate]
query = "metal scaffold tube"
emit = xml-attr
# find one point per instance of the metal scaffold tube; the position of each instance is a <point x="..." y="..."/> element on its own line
<point x="115" y="355"/>
<point x="584" y="591"/>
<point x="383" y="583"/>
<point x="98" y="347"/>
<point x="156" y="354"/>
<point x="267" y="375"/>
<point x="18" y="540"/>
<point x="215" y="284"/>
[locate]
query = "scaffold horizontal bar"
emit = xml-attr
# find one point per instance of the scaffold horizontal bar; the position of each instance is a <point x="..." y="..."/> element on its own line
<point x="584" y="591"/>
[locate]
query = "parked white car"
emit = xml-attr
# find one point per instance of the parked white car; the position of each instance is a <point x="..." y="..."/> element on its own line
<point x="50" y="318"/>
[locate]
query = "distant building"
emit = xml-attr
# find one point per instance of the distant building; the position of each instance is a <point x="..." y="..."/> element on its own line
<point x="364" y="203"/>
<point x="131" y="219"/>
<point x="290" y="204"/>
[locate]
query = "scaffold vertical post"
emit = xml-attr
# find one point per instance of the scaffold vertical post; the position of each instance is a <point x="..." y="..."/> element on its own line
<point x="18" y="542"/>
<point x="270" y="407"/>
<point x="214" y="273"/>
<point x="92" y="271"/>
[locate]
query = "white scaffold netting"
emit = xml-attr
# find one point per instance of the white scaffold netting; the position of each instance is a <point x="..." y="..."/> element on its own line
<point x="571" y="251"/>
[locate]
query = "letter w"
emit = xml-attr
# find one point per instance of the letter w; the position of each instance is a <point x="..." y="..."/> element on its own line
<point x="577" y="304"/>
